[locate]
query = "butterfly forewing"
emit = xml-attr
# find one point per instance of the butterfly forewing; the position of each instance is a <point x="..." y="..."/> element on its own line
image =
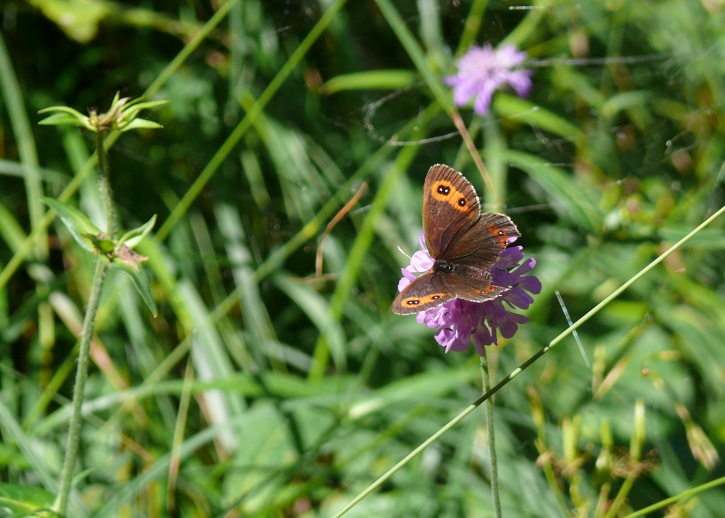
<point x="450" y="206"/>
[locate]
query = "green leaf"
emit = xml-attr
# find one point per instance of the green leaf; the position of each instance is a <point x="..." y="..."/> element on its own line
<point x="372" y="80"/>
<point x="64" y="109"/>
<point x="80" y="227"/>
<point x="569" y="199"/>
<point x="78" y="19"/>
<point x="66" y="117"/>
<point x="136" y="106"/>
<point x="140" y="280"/>
<point x="141" y="124"/>
<point x="134" y="237"/>
<point x="62" y="119"/>
<point x="618" y="103"/>
<point x="24" y="500"/>
<point x="128" y="120"/>
<point x="523" y="111"/>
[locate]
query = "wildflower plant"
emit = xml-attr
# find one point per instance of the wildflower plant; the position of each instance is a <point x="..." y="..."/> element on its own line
<point x="458" y="322"/>
<point x="483" y="70"/>
<point x="113" y="248"/>
<point x="121" y="116"/>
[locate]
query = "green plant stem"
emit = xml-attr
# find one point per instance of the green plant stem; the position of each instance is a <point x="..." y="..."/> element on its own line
<point x="14" y="103"/>
<point x="470" y="408"/>
<point x="491" y="434"/>
<point x="472" y="26"/>
<point x="475" y="155"/>
<point x="621" y="496"/>
<point x="89" y="322"/>
<point x="493" y="146"/>
<point x="74" y="430"/>
<point x="635" y="452"/>
<point x="104" y="184"/>
<point x="684" y="496"/>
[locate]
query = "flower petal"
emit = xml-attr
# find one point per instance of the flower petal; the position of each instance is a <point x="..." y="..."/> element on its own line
<point x="483" y="70"/>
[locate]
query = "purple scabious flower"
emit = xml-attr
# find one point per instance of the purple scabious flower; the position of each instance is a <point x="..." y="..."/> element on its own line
<point x="483" y="70"/>
<point x="460" y="320"/>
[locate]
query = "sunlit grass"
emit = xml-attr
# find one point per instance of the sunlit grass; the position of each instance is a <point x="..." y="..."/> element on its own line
<point x="261" y="390"/>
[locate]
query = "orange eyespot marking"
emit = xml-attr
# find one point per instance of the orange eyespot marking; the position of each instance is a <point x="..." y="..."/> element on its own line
<point x="489" y="289"/>
<point x="419" y="301"/>
<point x="445" y="191"/>
<point x="500" y="234"/>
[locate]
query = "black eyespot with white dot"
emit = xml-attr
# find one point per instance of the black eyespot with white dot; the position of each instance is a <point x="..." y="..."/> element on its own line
<point x="444" y="190"/>
<point x="462" y="202"/>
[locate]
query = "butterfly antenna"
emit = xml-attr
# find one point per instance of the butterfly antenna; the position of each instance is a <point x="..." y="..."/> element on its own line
<point x="402" y="252"/>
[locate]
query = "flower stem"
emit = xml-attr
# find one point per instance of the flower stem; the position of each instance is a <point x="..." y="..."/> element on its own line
<point x="89" y="322"/>
<point x="104" y="184"/>
<point x="461" y="127"/>
<point x="491" y="436"/>
<point x="71" y="451"/>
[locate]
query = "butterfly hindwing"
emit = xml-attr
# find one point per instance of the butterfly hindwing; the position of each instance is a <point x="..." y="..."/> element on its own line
<point x="476" y="289"/>
<point x="481" y="244"/>
<point x="425" y="292"/>
<point x="431" y="289"/>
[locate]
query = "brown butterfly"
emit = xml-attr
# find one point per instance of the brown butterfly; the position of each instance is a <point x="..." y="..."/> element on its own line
<point x="464" y="243"/>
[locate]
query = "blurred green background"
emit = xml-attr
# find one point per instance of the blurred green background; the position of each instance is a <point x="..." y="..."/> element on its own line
<point x="262" y="389"/>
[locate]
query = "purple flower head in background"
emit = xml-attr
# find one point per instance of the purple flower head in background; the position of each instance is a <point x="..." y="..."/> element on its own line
<point x="460" y="320"/>
<point x="483" y="70"/>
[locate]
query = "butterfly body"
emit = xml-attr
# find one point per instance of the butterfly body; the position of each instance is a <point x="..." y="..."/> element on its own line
<point x="450" y="268"/>
<point x="463" y="242"/>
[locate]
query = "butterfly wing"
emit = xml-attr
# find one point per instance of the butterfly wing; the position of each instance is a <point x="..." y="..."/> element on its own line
<point x="455" y="229"/>
<point x="450" y="208"/>
<point x="431" y="289"/>
<point x="480" y="244"/>
<point x="476" y="289"/>
<point x="425" y="292"/>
